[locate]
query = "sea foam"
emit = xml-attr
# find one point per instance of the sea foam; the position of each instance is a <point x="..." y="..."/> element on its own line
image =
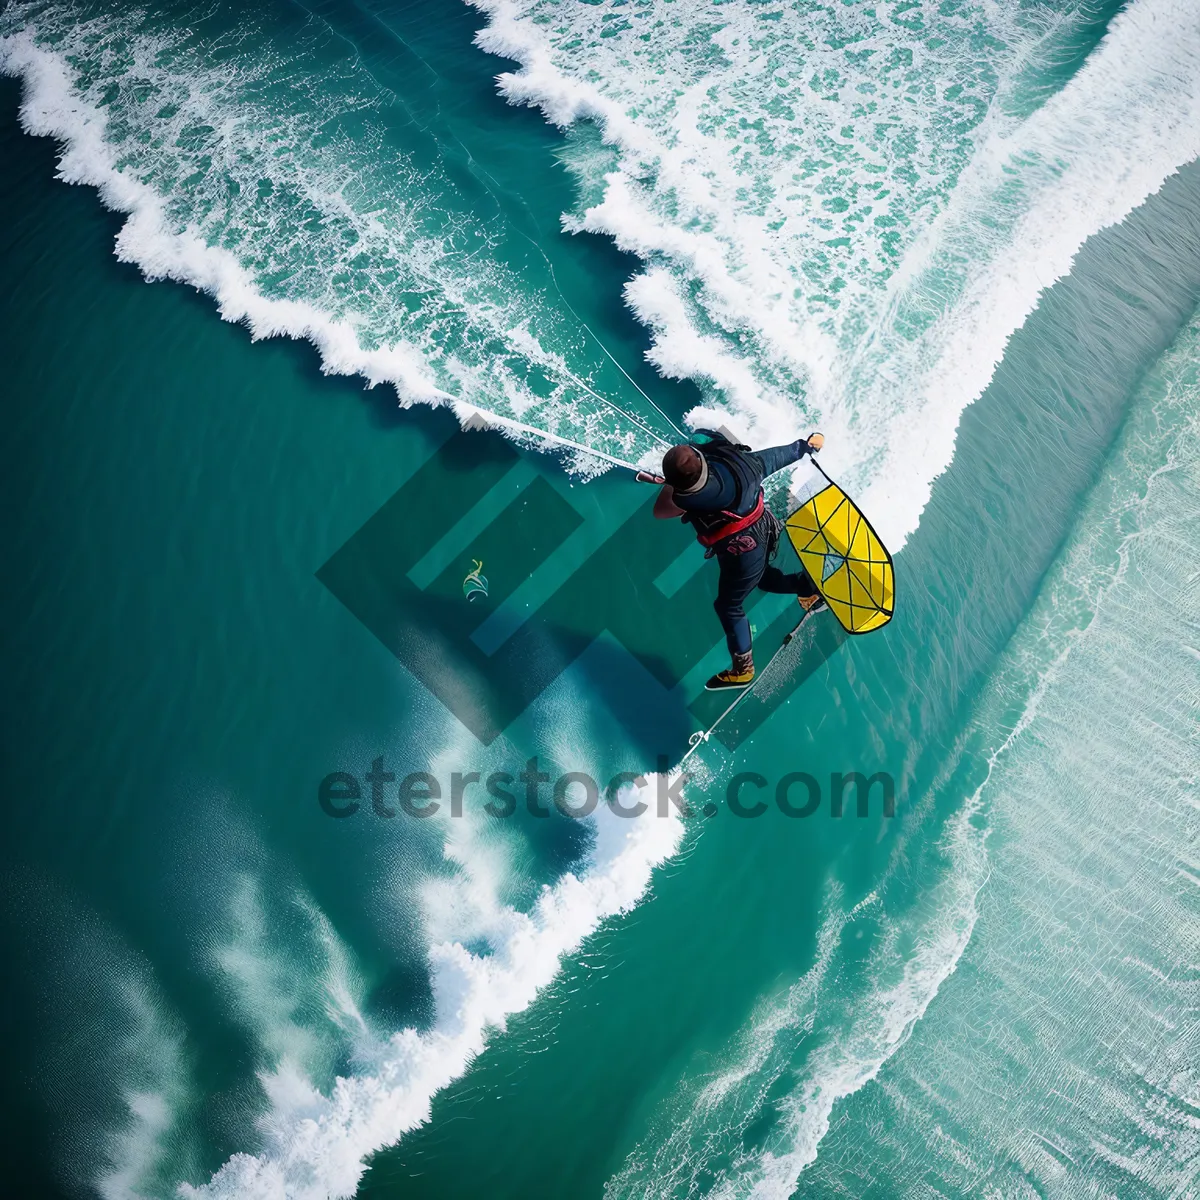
<point x="317" y="1143"/>
<point x="843" y="220"/>
<point x="328" y="243"/>
<point x="1077" y="1003"/>
<point x="887" y="341"/>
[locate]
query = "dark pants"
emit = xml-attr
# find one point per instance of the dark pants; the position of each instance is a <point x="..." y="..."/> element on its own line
<point x="740" y="575"/>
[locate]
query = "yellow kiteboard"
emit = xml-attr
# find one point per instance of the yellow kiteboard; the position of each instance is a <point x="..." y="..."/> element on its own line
<point x="845" y="558"/>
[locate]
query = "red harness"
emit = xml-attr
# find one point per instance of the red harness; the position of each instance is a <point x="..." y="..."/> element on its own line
<point x="736" y="524"/>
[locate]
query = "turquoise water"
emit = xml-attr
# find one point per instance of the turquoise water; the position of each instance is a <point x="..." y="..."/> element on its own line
<point x="964" y="241"/>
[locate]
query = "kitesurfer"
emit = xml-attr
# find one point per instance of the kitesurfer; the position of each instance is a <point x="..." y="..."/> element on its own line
<point x="716" y="487"/>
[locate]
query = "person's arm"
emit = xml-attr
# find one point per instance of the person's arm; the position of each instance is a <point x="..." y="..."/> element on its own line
<point x="665" y="507"/>
<point x="777" y="457"/>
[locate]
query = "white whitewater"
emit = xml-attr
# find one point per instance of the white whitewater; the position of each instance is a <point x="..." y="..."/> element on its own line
<point x="1072" y="861"/>
<point x="316" y="1143"/>
<point x="841" y="227"/>
<point x="841" y="220"/>
<point x="361" y="251"/>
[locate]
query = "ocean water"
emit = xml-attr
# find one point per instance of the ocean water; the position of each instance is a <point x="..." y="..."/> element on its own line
<point x="358" y="295"/>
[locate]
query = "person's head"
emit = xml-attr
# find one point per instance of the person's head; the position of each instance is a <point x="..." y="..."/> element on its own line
<point x="682" y="467"/>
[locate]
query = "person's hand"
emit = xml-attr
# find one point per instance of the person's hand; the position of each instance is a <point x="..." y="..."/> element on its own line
<point x="649" y="477"/>
<point x="816" y="441"/>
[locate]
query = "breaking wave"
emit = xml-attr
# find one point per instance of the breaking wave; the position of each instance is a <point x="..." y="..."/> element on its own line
<point x="316" y="1142"/>
<point x="844" y="215"/>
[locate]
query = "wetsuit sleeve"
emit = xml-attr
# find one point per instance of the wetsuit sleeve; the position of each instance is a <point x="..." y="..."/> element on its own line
<point x="777" y="457"/>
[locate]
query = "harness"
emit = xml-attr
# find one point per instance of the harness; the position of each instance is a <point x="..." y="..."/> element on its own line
<point x="733" y="525"/>
<point x="714" y="527"/>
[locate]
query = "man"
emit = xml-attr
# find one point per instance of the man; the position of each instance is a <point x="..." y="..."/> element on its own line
<point x="716" y="487"/>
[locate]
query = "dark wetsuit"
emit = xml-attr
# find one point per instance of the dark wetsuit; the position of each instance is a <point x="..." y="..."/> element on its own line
<point x="744" y="558"/>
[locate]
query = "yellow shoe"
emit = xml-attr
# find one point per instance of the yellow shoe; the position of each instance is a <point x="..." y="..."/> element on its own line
<point x="811" y="603"/>
<point x="739" y="675"/>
